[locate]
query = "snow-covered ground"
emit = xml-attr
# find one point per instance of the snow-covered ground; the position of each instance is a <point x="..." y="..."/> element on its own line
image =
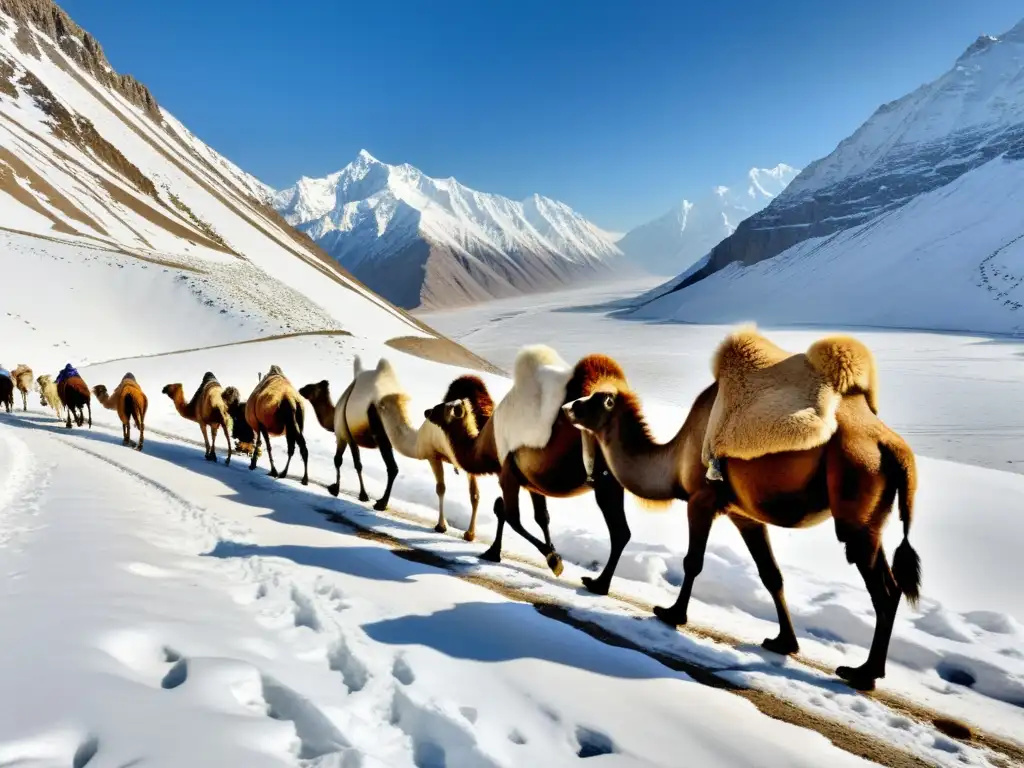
<point x="215" y="602"/>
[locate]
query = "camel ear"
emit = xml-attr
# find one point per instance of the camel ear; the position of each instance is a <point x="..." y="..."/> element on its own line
<point x="609" y="402"/>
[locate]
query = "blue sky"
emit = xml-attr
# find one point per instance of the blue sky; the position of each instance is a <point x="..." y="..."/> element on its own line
<point x="620" y="109"/>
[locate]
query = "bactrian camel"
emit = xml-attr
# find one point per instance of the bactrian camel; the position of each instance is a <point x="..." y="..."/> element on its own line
<point x="130" y="402"/>
<point x="48" y="395"/>
<point x="429" y="443"/>
<point x="75" y="396"/>
<point x="22" y="376"/>
<point x="855" y="476"/>
<point x="208" y="409"/>
<point x="355" y="422"/>
<point x="7" y="392"/>
<point x="274" y="409"/>
<point x="557" y="469"/>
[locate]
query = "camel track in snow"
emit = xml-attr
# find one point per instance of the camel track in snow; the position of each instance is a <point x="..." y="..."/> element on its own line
<point x="1002" y="751"/>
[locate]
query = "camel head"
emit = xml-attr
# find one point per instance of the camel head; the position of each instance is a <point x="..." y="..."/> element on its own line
<point x="100" y="391"/>
<point x="172" y="391"/>
<point x="447" y="414"/>
<point x="592" y="413"/>
<point x="319" y="392"/>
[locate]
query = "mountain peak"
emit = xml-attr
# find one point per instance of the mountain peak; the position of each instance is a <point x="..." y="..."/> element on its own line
<point x="366" y="157"/>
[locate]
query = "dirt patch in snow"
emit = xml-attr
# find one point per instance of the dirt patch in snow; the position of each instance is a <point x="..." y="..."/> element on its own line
<point x="13" y="168"/>
<point x="442" y="350"/>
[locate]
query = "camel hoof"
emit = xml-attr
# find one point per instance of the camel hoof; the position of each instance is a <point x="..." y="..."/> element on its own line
<point x="857" y="678"/>
<point x="492" y="555"/>
<point x="670" y="616"/>
<point x="333" y="489"/>
<point x="252" y="467"/>
<point x="594" y="586"/>
<point x="440" y="528"/>
<point x="784" y="646"/>
<point x="469" y="536"/>
<point x="381" y="505"/>
<point x="305" y="481"/>
<point x="555" y="563"/>
<point x="227" y="461"/>
<point x="273" y="473"/>
<point x="364" y="496"/>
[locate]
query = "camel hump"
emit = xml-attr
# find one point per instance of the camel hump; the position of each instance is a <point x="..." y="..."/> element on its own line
<point x="275" y="370"/>
<point x="386" y="380"/>
<point x="532" y="359"/>
<point x="847" y="365"/>
<point x="595" y="373"/>
<point x="745" y="349"/>
<point x="128" y="377"/>
<point x="357" y="365"/>
<point x="208" y="377"/>
<point x="473" y="389"/>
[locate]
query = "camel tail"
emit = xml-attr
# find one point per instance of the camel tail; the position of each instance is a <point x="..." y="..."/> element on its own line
<point x="906" y="564"/>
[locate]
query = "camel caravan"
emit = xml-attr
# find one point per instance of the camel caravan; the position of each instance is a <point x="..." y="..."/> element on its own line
<point x="775" y="439"/>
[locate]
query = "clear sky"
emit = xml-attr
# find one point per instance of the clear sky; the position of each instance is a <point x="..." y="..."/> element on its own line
<point x="620" y="109"/>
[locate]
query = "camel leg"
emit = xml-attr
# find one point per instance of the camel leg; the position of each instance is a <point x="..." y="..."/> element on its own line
<point x="88" y="406"/>
<point x="700" y="511"/>
<point x="139" y="425"/>
<point x="270" y="453"/>
<point x="256" y="450"/>
<point x="885" y="597"/>
<point x="509" y="509"/>
<point x="357" y="462"/>
<point x="227" y="439"/>
<point x="437" y="467"/>
<point x="126" y="429"/>
<point x="24" y="401"/>
<point x="67" y="411"/>
<point x="214" y="428"/>
<point x="611" y="499"/>
<point x="304" y="453"/>
<point x="540" y="514"/>
<point x="474" y="503"/>
<point x="206" y="440"/>
<point x="339" y="454"/>
<point x="380" y="436"/>
<point x="289" y="440"/>
<point x="755" y="535"/>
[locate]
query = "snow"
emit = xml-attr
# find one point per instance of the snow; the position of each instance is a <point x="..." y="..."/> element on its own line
<point x="690" y="230"/>
<point x="950" y="259"/>
<point x="371" y="209"/>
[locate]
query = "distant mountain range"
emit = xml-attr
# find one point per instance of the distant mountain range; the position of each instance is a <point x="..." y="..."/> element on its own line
<point x="424" y="242"/>
<point x="688" y="231"/>
<point x="914" y="220"/>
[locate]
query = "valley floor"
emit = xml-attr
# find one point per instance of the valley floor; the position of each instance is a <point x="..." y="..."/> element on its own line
<point x="161" y="610"/>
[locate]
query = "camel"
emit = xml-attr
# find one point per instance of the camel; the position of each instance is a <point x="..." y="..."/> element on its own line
<point x="208" y="409"/>
<point x="274" y="409"/>
<point x="74" y="395"/>
<point x="6" y="390"/>
<point x="556" y="469"/>
<point x="22" y="376"/>
<point x="854" y="477"/>
<point x="241" y="432"/>
<point x="48" y="395"/>
<point x="130" y="402"/>
<point x="354" y="421"/>
<point x="429" y="443"/>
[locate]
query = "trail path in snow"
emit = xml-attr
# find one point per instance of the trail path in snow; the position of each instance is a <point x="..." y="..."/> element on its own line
<point x="181" y="613"/>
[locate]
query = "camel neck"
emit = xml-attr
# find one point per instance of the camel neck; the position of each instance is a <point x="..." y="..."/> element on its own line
<point x="185" y="409"/>
<point x="646" y="468"/>
<point x="107" y="401"/>
<point x="477" y="455"/>
<point x="400" y="432"/>
<point x="324" y="410"/>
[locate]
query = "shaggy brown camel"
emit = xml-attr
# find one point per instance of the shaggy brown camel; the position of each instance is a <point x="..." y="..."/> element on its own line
<point x="355" y="422"/>
<point x="22" y="376"/>
<point x="429" y="443"/>
<point x="854" y="477"/>
<point x="241" y="432"/>
<point x="48" y="396"/>
<point x="208" y="409"/>
<point x="557" y="470"/>
<point x="130" y="402"/>
<point x="75" y="396"/>
<point x="274" y="409"/>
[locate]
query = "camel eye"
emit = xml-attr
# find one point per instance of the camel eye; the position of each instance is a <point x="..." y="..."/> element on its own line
<point x="609" y="402"/>
<point x="458" y="411"/>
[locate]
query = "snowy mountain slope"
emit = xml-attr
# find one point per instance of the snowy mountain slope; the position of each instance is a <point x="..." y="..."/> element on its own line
<point x="690" y="230"/>
<point x="421" y="241"/>
<point x="131" y="220"/>
<point x="912" y="148"/>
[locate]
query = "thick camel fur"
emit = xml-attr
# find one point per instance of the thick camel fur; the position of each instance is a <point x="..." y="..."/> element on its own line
<point x="274" y="409"/>
<point x="771" y="401"/>
<point x="429" y="443"/>
<point x="130" y="402"/>
<point x="854" y="478"/>
<point x="22" y="376"/>
<point x="208" y="409"/>
<point x="48" y="395"/>
<point x="75" y="396"/>
<point x="355" y="421"/>
<point x="556" y="469"/>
